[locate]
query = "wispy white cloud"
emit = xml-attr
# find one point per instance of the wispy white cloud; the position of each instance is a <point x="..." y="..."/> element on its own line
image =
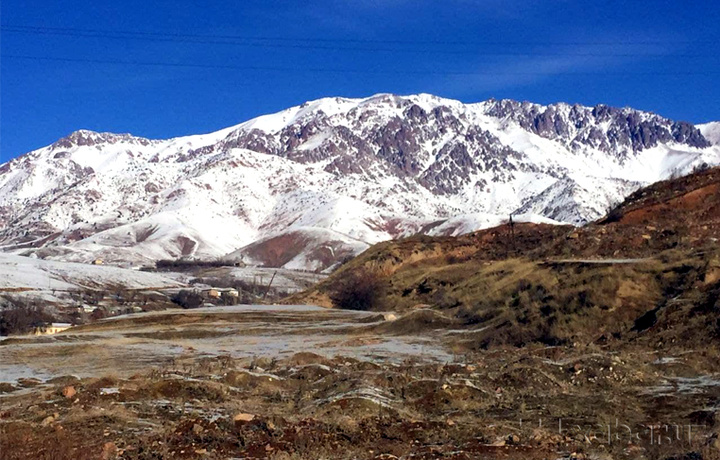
<point x="551" y="63"/>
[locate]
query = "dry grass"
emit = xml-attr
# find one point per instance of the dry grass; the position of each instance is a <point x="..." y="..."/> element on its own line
<point x="519" y="301"/>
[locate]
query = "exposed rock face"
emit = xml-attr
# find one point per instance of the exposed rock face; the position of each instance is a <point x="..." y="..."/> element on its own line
<point x="627" y="129"/>
<point x="84" y="137"/>
<point x="338" y="174"/>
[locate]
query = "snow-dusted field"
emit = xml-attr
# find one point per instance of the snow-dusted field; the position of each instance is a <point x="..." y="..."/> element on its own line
<point x="283" y="280"/>
<point x="18" y="273"/>
<point x="123" y="346"/>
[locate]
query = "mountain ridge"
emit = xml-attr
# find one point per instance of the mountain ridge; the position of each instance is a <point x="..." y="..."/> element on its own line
<point x="356" y="171"/>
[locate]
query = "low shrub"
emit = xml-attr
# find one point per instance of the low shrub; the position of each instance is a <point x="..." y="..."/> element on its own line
<point x="22" y="317"/>
<point x="361" y="289"/>
<point x="188" y="299"/>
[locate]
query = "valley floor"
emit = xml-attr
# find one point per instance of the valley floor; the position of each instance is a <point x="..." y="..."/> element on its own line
<point x="296" y="382"/>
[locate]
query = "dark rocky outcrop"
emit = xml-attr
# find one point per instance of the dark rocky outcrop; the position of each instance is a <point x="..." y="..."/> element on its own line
<point x="581" y="126"/>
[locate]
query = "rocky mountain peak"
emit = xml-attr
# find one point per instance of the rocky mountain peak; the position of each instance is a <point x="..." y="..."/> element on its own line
<point x="84" y="137"/>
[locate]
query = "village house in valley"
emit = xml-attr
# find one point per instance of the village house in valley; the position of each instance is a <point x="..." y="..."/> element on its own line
<point x="52" y="328"/>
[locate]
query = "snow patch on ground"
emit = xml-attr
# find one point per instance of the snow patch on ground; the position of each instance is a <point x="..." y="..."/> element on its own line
<point x="17" y="272"/>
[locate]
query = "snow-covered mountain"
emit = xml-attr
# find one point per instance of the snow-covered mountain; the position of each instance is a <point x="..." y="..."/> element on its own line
<point x="314" y="184"/>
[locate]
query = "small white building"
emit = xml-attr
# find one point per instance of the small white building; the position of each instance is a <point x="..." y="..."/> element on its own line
<point x="52" y="328"/>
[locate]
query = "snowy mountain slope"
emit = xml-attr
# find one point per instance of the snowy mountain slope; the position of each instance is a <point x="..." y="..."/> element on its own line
<point x="310" y="185"/>
<point x="711" y="131"/>
<point x="467" y="223"/>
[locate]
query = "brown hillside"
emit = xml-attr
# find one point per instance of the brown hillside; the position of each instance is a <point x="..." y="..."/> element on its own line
<point x="651" y="268"/>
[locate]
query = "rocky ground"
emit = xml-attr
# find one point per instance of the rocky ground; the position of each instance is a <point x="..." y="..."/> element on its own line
<point x="352" y="401"/>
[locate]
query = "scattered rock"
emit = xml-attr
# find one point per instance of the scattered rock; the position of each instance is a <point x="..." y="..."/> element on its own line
<point x="712" y="275"/>
<point x="243" y="417"/>
<point x="390" y="316"/>
<point x="6" y="387"/>
<point x="498" y="443"/>
<point x="28" y="383"/>
<point x="109" y="451"/>
<point x="69" y="391"/>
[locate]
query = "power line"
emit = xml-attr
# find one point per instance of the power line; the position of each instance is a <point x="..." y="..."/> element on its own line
<point x="331" y="70"/>
<point x="375" y="50"/>
<point x="363" y="49"/>
<point x="332" y="43"/>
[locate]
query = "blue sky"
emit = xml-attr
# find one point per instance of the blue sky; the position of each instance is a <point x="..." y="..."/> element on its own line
<point x="168" y="68"/>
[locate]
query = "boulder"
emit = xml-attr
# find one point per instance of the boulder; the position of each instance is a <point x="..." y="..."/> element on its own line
<point x="244" y="417"/>
<point x="69" y="391"/>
